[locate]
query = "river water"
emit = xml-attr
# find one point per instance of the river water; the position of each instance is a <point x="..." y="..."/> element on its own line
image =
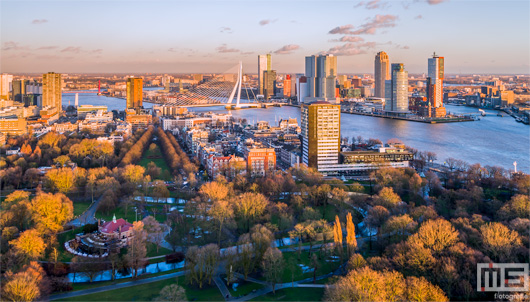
<point x="491" y="141"/>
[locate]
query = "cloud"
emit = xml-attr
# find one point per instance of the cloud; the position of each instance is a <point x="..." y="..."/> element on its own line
<point x="343" y="30"/>
<point x="418" y="17"/>
<point x="224" y="49"/>
<point x="247" y="53"/>
<point x="348" y="39"/>
<point x="267" y="21"/>
<point x="405" y="47"/>
<point x="172" y="49"/>
<point x="379" y="21"/>
<point x="374" y="4"/>
<point x="47" y="47"/>
<point x="434" y="2"/>
<point x="96" y="51"/>
<point x="287" y="49"/>
<point x="227" y="30"/>
<point x="350" y="49"/>
<point x="12" y="45"/>
<point x="39" y="21"/>
<point x="71" y="49"/>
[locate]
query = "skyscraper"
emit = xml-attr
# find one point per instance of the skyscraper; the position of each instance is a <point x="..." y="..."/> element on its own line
<point x="264" y="64"/>
<point x="269" y="83"/>
<point x="287" y="86"/>
<point x="396" y="90"/>
<point x="135" y="92"/>
<point x="5" y="85"/>
<point x="381" y="73"/>
<point x="52" y="90"/>
<point x="321" y="74"/>
<point x="18" y="89"/>
<point x="320" y="122"/>
<point x="435" y="77"/>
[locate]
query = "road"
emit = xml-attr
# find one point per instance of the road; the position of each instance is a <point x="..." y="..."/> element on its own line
<point x="88" y="216"/>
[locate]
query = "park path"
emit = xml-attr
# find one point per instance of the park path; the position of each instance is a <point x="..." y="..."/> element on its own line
<point x="88" y="217"/>
<point x="115" y="286"/>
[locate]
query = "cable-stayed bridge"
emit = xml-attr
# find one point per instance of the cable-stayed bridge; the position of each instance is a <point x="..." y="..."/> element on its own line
<point x="222" y="90"/>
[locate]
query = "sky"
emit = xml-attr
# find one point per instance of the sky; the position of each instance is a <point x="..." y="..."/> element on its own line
<point x="479" y="37"/>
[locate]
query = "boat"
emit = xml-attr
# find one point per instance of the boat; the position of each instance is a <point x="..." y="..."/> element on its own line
<point x="519" y="120"/>
<point x="499" y="114"/>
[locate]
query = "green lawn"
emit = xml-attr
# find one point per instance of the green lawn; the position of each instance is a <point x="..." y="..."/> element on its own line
<point x="156" y="157"/>
<point x="120" y="213"/>
<point x="293" y="294"/>
<point x="149" y="291"/>
<point x="151" y="250"/>
<point x="243" y="288"/>
<point x="65" y="256"/>
<point x="80" y="207"/>
<point x="325" y="266"/>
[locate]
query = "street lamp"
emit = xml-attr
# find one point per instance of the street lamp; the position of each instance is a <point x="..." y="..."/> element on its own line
<point x="136" y="213"/>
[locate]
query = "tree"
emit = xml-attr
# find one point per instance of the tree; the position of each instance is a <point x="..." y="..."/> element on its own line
<point x="136" y="251"/>
<point x="160" y="190"/>
<point x="499" y="241"/>
<point x="337" y="235"/>
<point x="21" y="286"/>
<point x="29" y="244"/>
<point x="293" y="268"/>
<point x="154" y="230"/>
<point x="387" y="198"/>
<point x="420" y="290"/>
<point x="351" y="242"/>
<point x="133" y="173"/>
<point x="201" y="263"/>
<point x="62" y="179"/>
<point x="400" y="225"/>
<point x="221" y="211"/>
<point x="214" y="191"/>
<point x="248" y="206"/>
<point x="51" y="211"/>
<point x="273" y="265"/>
<point x="376" y="218"/>
<point x="172" y="293"/>
<point x="245" y="253"/>
<point x="436" y="235"/>
<point x="517" y="207"/>
<point x="88" y="267"/>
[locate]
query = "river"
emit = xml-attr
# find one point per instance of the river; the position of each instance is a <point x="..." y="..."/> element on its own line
<point x="494" y="140"/>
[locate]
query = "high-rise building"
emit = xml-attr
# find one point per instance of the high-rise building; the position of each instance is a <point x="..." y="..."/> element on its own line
<point x="321" y="74"/>
<point x="52" y="90"/>
<point x="5" y="85"/>
<point x="435" y="77"/>
<point x="396" y="90"/>
<point x="320" y="134"/>
<point x="18" y="90"/>
<point x="287" y="86"/>
<point x="135" y="93"/>
<point x="381" y="73"/>
<point x="264" y="64"/>
<point x="269" y="83"/>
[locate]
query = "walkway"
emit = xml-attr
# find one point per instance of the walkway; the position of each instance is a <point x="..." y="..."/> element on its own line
<point x="88" y="216"/>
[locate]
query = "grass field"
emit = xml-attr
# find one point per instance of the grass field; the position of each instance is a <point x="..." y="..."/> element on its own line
<point x="65" y="256"/>
<point x="149" y="291"/>
<point x="156" y="157"/>
<point x="120" y="213"/>
<point x="325" y="267"/>
<point x="243" y="288"/>
<point x="80" y="207"/>
<point x="293" y="294"/>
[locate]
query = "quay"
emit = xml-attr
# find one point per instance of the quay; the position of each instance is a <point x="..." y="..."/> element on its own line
<point x="426" y="120"/>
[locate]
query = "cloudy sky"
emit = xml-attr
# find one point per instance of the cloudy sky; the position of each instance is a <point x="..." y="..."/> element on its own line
<point x="212" y="36"/>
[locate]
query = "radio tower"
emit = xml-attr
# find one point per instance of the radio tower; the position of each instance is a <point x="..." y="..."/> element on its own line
<point x="99" y="87"/>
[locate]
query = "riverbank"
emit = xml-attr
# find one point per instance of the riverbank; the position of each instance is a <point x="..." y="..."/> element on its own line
<point x="418" y="119"/>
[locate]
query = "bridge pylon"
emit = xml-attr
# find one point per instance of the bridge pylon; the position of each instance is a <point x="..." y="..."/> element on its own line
<point x="237" y="88"/>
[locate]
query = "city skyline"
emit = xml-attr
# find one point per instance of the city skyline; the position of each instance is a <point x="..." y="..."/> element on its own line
<point x="46" y="35"/>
